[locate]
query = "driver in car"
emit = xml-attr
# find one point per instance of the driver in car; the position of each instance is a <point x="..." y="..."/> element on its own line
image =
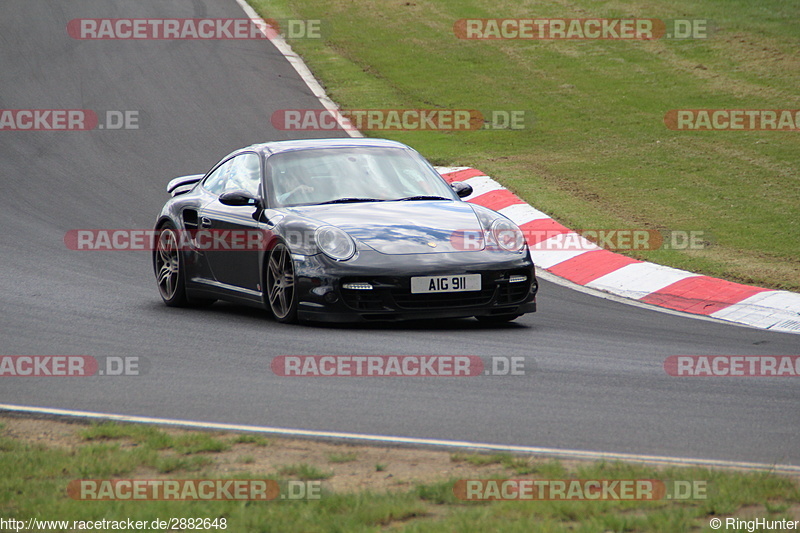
<point x="297" y="190"/>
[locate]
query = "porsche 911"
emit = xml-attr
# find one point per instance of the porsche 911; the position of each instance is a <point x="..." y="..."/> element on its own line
<point x="339" y="230"/>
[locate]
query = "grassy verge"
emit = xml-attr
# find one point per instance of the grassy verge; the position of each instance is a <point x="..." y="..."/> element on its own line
<point x="35" y="477"/>
<point x="599" y="154"/>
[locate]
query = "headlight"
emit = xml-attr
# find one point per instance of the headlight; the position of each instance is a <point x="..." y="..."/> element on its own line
<point x="507" y="235"/>
<point x="335" y="243"/>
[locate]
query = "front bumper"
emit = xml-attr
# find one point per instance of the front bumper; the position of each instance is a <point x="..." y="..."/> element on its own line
<point x="322" y="298"/>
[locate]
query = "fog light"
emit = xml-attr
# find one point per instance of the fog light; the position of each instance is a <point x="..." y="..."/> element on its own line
<point x="331" y="297"/>
<point x="517" y="279"/>
<point x="358" y="286"/>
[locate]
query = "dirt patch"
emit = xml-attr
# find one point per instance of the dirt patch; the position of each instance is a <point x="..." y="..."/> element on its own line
<point x="353" y="467"/>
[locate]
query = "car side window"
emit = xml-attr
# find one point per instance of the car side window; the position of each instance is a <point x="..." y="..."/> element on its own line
<point x="217" y="180"/>
<point x="244" y="174"/>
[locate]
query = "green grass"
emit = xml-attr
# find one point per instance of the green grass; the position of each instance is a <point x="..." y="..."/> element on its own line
<point x="166" y="465"/>
<point x="304" y="472"/>
<point x="35" y="478"/>
<point x="198" y="443"/>
<point x="519" y="465"/>
<point x="599" y="154"/>
<point x="348" y="457"/>
<point x="249" y="438"/>
<point x="153" y="438"/>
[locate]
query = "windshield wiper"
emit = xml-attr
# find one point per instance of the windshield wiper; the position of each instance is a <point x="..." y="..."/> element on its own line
<point x="421" y="197"/>
<point x="351" y="200"/>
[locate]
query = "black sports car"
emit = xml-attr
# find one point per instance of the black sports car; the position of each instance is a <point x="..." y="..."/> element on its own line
<point x="339" y="230"/>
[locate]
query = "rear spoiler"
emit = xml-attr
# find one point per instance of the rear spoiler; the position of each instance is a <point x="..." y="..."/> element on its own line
<point x="183" y="184"/>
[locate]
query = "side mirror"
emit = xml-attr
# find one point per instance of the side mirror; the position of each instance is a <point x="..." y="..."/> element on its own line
<point x="462" y="189"/>
<point x="237" y="198"/>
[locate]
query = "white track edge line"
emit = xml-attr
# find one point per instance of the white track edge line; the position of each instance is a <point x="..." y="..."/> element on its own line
<point x="422" y="442"/>
<point x="302" y="70"/>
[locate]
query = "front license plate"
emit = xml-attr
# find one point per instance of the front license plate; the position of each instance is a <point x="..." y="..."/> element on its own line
<point x="428" y="284"/>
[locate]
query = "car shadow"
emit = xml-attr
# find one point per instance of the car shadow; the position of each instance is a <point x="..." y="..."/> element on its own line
<point x="226" y="309"/>
<point x="443" y="324"/>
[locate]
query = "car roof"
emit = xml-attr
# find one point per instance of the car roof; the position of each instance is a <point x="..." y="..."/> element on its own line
<point x="274" y="147"/>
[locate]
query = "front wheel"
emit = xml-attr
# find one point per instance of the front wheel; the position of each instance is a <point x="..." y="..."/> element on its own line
<point x="281" y="288"/>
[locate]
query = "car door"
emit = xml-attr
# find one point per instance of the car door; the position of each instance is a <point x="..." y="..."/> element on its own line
<point x="233" y="254"/>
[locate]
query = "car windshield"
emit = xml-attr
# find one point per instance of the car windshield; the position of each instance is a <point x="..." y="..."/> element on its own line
<point x="345" y="175"/>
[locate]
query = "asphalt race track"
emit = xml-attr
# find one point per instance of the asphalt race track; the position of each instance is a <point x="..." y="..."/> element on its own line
<point x="599" y="382"/>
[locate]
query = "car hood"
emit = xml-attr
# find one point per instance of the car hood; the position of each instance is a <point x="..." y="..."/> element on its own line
<point x="403" y="227"/>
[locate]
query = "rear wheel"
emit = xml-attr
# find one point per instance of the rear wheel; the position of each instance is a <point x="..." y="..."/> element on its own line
<point x="496" y="319"/>
<point x="170" y="271"/>
<point x="169" y="268"/>
<point x="281" y="289"/>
